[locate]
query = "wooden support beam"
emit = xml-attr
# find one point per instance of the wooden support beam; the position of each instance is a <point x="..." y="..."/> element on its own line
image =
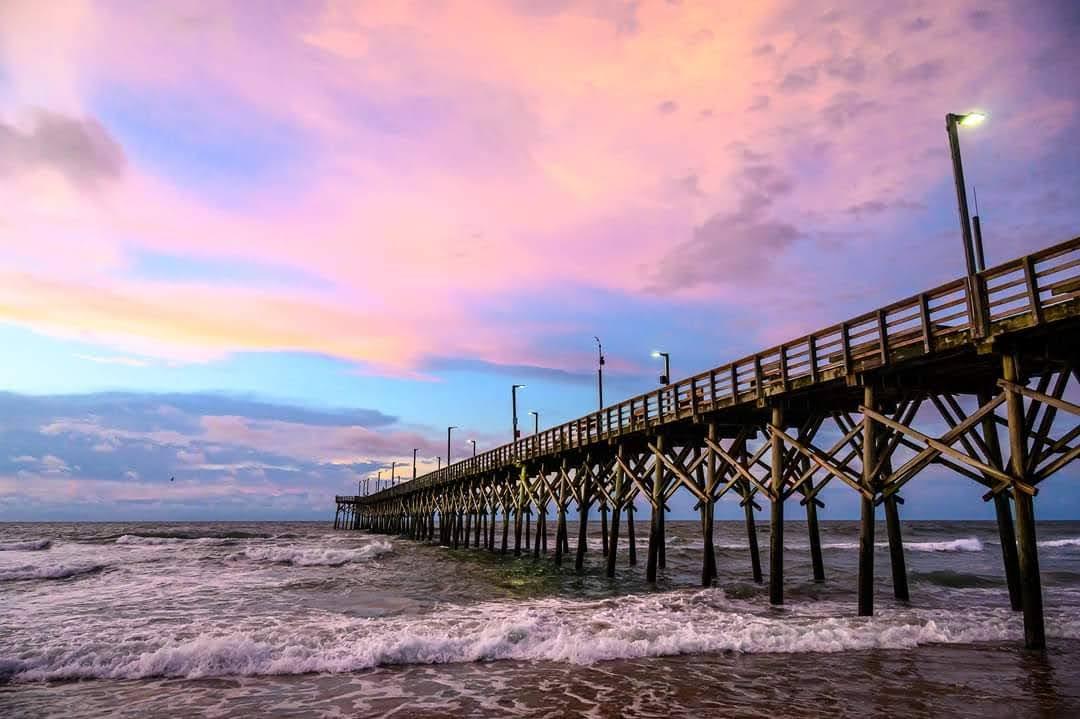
<point x="823" y="462"/>
<point x="1014" y="388"/>
<point x="708" y="562"/>
<point x="679" y="474"/>
<point x="866" y="525"/>
<point x="656" y="528"/>
<point x="776" y="527"/>
<point x="583" y="519"/>
<point x="740" y="467"/>
<point x="1030" y="582"/>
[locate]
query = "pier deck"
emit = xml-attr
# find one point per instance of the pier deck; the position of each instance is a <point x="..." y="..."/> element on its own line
<point x="990" y="358"/>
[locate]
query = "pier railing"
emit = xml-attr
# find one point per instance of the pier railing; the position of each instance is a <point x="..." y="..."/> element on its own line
<point x="1022" y="293"/>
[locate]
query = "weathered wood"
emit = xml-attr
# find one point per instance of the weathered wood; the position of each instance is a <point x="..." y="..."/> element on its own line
<point x="1002" y="510"/>
<point x="1027" y="548"/>
<point x="817" y="562"/>
<point x="896" y="548"/>
<point x="708" y="562"/>
<point x="866" y="524"/>
<point x="656" y="537"/>
<point x="603" y="529"/>
<point x="583" y="520"/>
<point x="776" y="525"/>
<point x="618" y="498"/>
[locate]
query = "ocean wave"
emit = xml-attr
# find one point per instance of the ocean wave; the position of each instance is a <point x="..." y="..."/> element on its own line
<point x="140" y="539"/>
<point x="957" y="580"/>
<point x="967" y="544"/>
<point x="49" y="571"/>
<point x="180" y="536"/>
<point x="1070" y="542"/>
<point x="578" y="632"/>
<point x="35" y="545"/>
<point x="301" y="557"/>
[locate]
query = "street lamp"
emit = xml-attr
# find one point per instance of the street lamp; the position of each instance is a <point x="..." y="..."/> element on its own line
<point x="378" y="481"/>
<point x="666" y="377"/>
<point x="599" y="372"/>
<point x="415" y="450"/>
<point x="473" y="442"/>
<point x="513" y="404"/>
<point x="438" y="461"/>
<point x="393" y="473"/>
<point x="973" y="250"/>
<point x="536" y="421"/>
<point x="448" y="431"/>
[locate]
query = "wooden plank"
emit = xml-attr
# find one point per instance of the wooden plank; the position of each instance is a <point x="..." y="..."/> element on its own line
<point x="1040" y="397"/>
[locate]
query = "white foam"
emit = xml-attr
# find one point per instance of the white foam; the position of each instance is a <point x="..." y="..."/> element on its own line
<point x="34" y="545"/>
<point x="314" y="557"/>
<point x="1070" y="542"/>
<point x="579" y="632"/>
<point x="970" y="544"/>
<point x="967" y="544"/>
<point x="158" y="541"/>
<point x="48" y="571"/>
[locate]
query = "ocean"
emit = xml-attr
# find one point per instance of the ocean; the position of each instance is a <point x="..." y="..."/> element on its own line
<point x="296" y="620"/>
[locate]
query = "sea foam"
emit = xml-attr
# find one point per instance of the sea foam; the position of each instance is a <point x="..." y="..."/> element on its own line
<point x="967" y="544"/>
<point x="578" y="632"/>
<point x="313" y="557"/>
<point x="1070" y="542"/>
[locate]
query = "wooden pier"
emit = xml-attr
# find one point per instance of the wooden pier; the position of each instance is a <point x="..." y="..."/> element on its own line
<point x="989" y="358"/>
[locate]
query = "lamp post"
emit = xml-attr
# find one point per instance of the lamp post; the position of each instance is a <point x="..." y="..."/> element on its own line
<point x="513" y="405"/>
<point x="536" y="421"/>
<point x="973" y="251"/>
<point x="415" y="450"/>
<point x="393" y="473"/>
<point x="666" y="377"/>
<point x="438" y="461"/>
<point x="378" y="481"/>
<point x="448" y="431"/>
<point x="473" y="442"/>
<point x="599" y="372"/>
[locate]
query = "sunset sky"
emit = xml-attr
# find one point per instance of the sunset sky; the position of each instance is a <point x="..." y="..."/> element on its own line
<point x="269" y="247"/>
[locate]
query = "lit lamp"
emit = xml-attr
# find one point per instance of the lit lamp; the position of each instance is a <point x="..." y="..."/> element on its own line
<point x="973" y="249"/>
<point x="666" y="377"/>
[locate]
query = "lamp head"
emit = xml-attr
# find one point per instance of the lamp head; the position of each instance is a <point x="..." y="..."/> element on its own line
<point x="972" y="119"/>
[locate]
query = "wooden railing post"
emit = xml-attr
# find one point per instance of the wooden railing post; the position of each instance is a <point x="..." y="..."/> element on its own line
<point x="1032" y="283"/>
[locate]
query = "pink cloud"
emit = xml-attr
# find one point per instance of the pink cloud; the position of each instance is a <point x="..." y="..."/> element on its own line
<point x="454" y="158"/>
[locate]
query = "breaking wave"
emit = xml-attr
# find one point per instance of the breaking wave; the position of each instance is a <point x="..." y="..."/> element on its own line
<point x="178" y="536"/>
<point x="35" y="545"/>
<point x="49" y="571"/>
<point x="968" y="544"/>
<point x="157" y="541"/>
<point x="1070" y="542"/>
<point x="313" y="557"/>
<point x="579" y="632"/>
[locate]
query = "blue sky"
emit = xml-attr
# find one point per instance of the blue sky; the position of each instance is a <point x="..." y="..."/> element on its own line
<point x="268" y="254"/>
